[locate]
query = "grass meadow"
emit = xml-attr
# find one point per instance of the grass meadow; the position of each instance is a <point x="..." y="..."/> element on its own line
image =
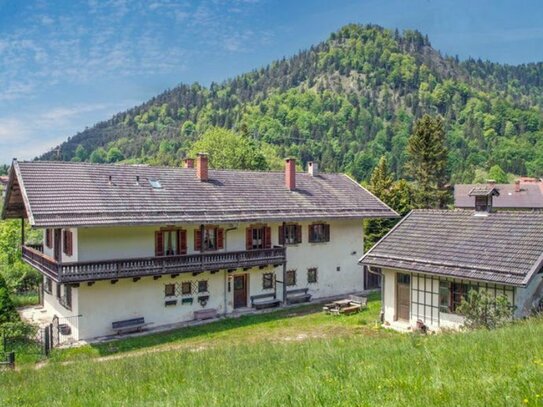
<point x="292" y="358"/>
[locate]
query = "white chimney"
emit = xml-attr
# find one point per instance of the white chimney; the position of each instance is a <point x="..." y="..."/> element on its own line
<point x="312" y="168"/>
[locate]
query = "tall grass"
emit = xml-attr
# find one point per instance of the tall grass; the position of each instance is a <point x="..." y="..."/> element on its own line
<point x="483" y="368"/>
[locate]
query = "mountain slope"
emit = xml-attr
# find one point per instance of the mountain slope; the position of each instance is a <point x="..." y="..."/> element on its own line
<point x="345" y="102"/>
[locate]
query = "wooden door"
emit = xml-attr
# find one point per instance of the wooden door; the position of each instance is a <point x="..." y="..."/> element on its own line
<point x="403" y="298"/>
<point x="58" y="244"/>
<point x="240" y="291"/>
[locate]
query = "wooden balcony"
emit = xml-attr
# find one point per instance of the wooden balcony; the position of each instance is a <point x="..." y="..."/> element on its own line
<point x="150" y="266"/>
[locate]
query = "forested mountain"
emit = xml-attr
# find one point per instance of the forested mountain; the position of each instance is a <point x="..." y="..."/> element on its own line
<point x="345" y="103"/>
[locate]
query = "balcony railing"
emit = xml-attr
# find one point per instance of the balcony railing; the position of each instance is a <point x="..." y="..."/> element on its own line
<point x="150" y="266"/>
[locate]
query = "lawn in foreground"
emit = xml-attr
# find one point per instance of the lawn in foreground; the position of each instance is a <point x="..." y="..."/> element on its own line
<point x="362" y="365"/>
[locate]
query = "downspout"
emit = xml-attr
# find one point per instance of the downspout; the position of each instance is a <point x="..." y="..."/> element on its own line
<point x="226" y="271"/>
<point x="284" y="265"/>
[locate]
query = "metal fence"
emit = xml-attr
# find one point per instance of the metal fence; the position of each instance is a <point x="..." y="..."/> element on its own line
<point x="60" y="332"/>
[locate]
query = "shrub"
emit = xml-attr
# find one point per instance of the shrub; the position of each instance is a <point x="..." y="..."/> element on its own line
<point x="484" y="310"/>
<point x="8" y="313"/>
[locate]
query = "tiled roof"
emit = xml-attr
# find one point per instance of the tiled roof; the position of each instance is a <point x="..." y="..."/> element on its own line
<point x="80" y="194"/>
<point x="529" y="197"/>
<point x="504" y="247"/>
<point x="483" y="190"/>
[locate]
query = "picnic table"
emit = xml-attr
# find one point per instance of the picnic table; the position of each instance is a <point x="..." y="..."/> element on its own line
<point x="348" y="306"/>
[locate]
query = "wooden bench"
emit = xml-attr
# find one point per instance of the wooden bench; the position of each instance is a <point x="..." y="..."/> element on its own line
<point x="262" y="301"/>
<point x="298" y="296"/>
<point x="353" y="309"/>
<point x="205" y="314"/>
<point x="129" y="325"/>
<point x="362" y="301"/>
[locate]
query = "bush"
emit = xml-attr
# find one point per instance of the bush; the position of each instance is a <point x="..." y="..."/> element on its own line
<point x="8" y="313"/>
<point x="484" y="310"/>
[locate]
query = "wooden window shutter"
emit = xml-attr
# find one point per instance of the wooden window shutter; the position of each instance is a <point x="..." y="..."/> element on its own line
<point x="281" y="235"/>
<point x="181" y="241"/>
<point x="159" y="244"/>
<point x="197" y="240"/>
<point x="327" y="232"/>
<point x="298" y="233"/>
<point x="48" y="238"/>
<point x="220" y="238"/>
<point x="267" y="237"/>
<point x="70" y="243"/>
<point x="249" y="238"/>
<point x="310" y="237"/>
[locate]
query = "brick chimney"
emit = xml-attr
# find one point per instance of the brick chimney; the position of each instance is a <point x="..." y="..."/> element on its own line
<point x="517" y="185"/>
<point x="290" y="173"/>
<point x="188" y="163"/>
<point x="202" y="167"/>
<point x="312" y="168"/>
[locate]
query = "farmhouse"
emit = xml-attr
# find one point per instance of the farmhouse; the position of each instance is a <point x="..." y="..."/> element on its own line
<point x="432" y="258"/>
<point x="137" y="245"/>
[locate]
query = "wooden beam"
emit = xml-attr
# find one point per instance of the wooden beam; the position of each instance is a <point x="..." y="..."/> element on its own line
<point x="174" y="275"/>
<point x="114" y="281"/>
<point x="136" y="279"/>
<point x="156" y="277"/>
<point x="90" y="283"/>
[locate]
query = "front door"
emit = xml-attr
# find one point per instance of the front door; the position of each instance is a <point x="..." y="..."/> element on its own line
<point x="403" y="286"/>
<point x="240" y="291"/>
<point x="57" y="244"/>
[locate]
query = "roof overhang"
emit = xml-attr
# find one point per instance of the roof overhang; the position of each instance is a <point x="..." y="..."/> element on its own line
<point x="15" y="205"/>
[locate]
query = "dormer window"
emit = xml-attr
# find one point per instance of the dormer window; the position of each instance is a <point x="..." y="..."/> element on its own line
<point x="483" y="195"/>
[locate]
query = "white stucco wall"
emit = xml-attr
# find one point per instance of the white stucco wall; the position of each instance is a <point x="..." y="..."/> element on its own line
<point x="102" y="303"/>
<point x="53" y="307"/>
<point x="424" y="299"/>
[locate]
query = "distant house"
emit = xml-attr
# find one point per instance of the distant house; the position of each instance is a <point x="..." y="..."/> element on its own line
<point x="525" y="194"/>
<point x="131" y="245"/>
<point x="432" y="258"/>
<point x="3" y="184"/>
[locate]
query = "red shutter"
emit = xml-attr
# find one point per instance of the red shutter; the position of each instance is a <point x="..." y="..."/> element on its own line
<point x="70" y="239"/>
<point x="248" y="238"/>
<point x="298" y="233"/>
<point x="159" y="244"/>
<point x="181" y="241"/>
<point x="326" y="233"/>
<point x="281" y="235"/>
<point x="197" y="240"/>
<point x="220" y="238"/>
<point x="267" y="237"/>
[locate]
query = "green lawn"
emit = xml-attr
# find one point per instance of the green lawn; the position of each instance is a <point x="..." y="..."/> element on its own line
<point x="292" y="357"/>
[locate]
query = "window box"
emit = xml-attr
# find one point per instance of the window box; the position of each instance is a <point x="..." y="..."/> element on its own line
<point x="170" y="303"/>
<point x="187" y="301"/>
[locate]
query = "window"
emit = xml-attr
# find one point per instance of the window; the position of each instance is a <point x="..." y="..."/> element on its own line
<point x="170" y="242"/>
<point x="444" y="296"/>
<point x="258" y="237"/>
<point x="291" y="277"/>
<point x="481" y="203"/>
<point x="404" y="278"/>
<point x="186" y="288"/>
<point x="312" y="275"/>
<point x="58" y="291"/>
<point x="169" y="290"/>
<point x="202" y="286"/>
<point x="48" y="285"/>
<point x="267" y="281"/>
<point x="67" y="244"/>
<point x="451" y="295"/>
<point x="319" y="232"/>
<point x="49" y="238"/>
<point x="209" y="238"/>
<point x="290" y="234"/>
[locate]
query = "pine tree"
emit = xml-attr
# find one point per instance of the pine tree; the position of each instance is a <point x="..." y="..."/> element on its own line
<point x="427" y="163"/>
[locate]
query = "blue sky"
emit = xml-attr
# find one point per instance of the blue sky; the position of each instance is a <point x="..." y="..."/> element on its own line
<point x="67" y="64"/>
